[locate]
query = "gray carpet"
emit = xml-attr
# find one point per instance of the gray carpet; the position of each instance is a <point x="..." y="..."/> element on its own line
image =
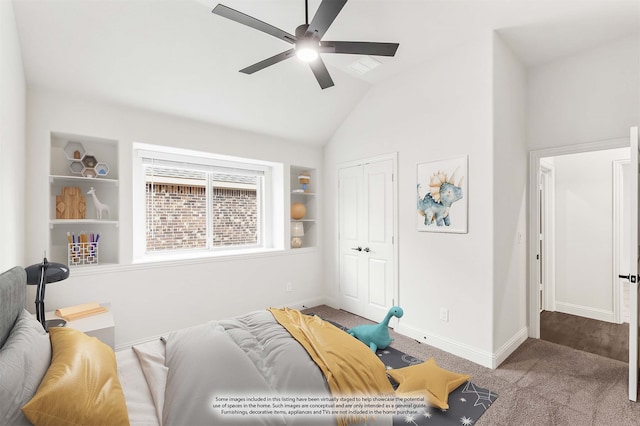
<point x="541" y="383"/>
<point x="586" y="334"/>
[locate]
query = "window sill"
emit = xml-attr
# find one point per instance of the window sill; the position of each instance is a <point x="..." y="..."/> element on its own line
<point x="205" y="254"/>
<point x="208" y="257"/>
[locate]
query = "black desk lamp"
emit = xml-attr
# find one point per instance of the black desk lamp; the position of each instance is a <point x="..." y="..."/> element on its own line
<point x="42" y="274"/>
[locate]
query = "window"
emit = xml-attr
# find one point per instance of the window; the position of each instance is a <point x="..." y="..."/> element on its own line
<point x="198" y="202"/>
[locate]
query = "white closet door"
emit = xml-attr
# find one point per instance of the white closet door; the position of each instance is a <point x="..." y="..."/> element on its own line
<point x="366" y="235"/>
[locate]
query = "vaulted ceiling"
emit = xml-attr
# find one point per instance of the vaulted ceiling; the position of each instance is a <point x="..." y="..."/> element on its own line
<point x="176" y="57"/>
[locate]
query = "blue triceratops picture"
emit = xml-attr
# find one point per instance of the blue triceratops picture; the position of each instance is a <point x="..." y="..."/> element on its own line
<point x="442" y="196"/>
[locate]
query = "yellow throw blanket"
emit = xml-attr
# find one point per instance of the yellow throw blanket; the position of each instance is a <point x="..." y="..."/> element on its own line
<point x="350" y="367"/>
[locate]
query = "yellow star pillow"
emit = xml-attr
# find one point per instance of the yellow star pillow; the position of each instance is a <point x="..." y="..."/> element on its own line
<point x="428" y="380"/>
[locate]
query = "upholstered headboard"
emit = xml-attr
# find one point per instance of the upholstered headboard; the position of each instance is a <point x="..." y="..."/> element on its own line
<point x="13" y="293"/>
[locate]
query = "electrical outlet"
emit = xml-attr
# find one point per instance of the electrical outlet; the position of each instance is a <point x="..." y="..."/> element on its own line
<point x="289" y="287"/>
<point x="444" y="314"/>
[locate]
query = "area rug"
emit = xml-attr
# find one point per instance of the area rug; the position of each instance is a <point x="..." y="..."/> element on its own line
<point x="466" y="404"/>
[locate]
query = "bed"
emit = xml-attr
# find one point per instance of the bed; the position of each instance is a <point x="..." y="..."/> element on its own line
<point x="271" y="367"/>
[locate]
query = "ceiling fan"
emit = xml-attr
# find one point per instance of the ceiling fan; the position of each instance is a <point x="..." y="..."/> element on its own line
<point x="307" y="42"/>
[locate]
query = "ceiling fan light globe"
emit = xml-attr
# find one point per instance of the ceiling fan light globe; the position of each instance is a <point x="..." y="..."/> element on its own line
<point x="307" y="54"/>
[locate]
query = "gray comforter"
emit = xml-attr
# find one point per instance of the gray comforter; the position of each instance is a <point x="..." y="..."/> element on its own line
<point x="216" y="369"/>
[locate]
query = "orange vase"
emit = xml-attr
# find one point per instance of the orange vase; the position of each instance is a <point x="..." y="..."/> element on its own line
<point x="298" y="210"/>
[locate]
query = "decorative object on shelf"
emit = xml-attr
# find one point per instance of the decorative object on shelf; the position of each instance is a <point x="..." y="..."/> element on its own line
<point x="297" y="231"/>
<point x="71" y="313"/>
<point x="42" y="274"/>
<point x="298" y="210"/>
<point x="442" y="203"/>
<point x="376" y="336"/>
<point x="71" y="204"/>
<point x="304" y="180"/>
<point x="100" y="207"/>
<point x="81" y="163"/>
<point x="83" y="249"/>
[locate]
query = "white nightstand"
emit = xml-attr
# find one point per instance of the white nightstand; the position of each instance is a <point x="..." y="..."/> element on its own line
<point x="101" y="326"/>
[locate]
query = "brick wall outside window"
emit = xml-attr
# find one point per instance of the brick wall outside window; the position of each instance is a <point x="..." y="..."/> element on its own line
<point x="235" y="217"/>
<point x="176" y="217"/>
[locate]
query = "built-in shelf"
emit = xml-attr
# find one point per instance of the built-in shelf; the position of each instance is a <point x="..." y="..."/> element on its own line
<point x="82" y="179"/>
<point x="82" y="164"/>
<point x="55" y="222"/>
<point x="308" y="198"/>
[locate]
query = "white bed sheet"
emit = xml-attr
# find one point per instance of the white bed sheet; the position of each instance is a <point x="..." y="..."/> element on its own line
<point x="140" y="403"/>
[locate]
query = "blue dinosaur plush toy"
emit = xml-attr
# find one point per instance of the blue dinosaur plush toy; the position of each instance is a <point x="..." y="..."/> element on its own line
<point x="376" y="336"/>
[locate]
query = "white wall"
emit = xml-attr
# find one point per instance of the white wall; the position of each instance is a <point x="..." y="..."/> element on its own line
<point x="509" y="201"/>
<point x="439" y="110"/>
<point x="584" y="233"/>
<point x="479" y="100"/>
<point x="589" y="96"/>
<point x="148" y="300"/>
<point x="12" y="142"/>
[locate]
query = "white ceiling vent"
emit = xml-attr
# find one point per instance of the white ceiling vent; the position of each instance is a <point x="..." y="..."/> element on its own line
<point x="364" y="65"/>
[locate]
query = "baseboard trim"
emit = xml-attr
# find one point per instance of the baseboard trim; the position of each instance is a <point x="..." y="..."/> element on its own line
<point x="307" y="303"/>
<point x="585" y="311"/>
<point x="509" y="347"/>
<point x="484" y="358"/>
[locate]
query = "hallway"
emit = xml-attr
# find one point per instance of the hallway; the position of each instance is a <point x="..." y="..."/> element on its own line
<point x="589" y="335"/>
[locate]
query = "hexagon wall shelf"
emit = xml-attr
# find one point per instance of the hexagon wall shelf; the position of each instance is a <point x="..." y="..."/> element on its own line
<point x="76" y="167"/>
<point x="74" y="151"/>
<point x="89" y="161"/>
<point x="89" y="172"/>
<point x="101" y="169"/>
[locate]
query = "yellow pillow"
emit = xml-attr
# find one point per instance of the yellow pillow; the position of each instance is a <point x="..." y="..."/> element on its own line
<point x="428" y="380"/>
<point x="81" y="386"/>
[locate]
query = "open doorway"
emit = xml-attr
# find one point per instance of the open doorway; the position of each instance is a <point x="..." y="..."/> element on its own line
<point x="579" y="247"/>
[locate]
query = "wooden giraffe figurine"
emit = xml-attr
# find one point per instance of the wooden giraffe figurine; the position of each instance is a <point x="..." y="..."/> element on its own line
<point x="100" y="207"/>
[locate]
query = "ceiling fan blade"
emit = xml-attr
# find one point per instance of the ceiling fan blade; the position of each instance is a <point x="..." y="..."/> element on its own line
<point x="324" y="17"/>
<point x="268" y="62"/>
<point x="234" y="15"/>
<point x="322" y="74"/>
<point x="359" y="48"/>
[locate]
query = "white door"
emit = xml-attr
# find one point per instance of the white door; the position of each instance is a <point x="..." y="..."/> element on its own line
<point x="366" y="238"/>
<point x="634" y="266"/>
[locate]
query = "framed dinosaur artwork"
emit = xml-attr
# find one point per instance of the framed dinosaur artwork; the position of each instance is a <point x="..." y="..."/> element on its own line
<point x="442" y="200"/>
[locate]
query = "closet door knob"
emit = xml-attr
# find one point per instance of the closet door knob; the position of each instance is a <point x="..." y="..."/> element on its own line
<point x="357" y="248"/>
<point x="367" y="249"/>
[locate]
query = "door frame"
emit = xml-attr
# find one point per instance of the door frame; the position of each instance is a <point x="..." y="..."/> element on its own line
<point x="393" y="156"/>
<point x="547" y="188"/>
<point x="618" y="198"/>
<point x="534" y="208"/>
